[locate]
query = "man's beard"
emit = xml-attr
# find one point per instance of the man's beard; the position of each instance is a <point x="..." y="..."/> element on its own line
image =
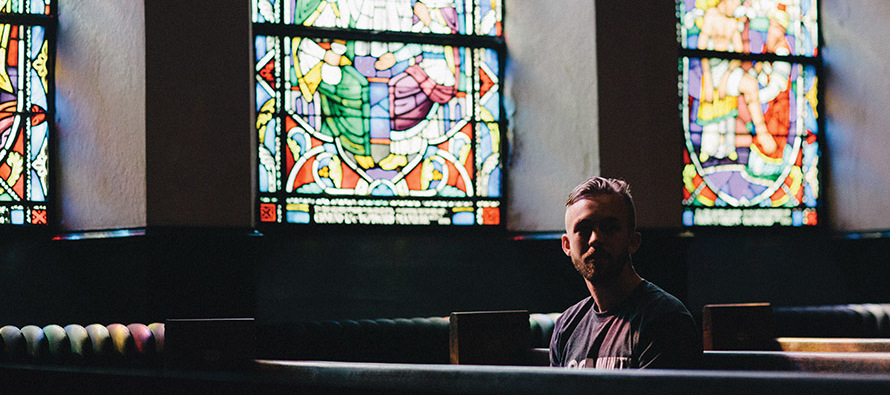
<point x="606" y="269"/>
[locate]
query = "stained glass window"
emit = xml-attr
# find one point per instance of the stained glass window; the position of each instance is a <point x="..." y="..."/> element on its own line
<point x="379" y="112"/>
<point x="26" y="106"/>
<point x="750" y="105"/>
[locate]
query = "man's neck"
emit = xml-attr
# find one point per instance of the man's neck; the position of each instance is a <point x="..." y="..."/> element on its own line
<point x="610" y="295"/>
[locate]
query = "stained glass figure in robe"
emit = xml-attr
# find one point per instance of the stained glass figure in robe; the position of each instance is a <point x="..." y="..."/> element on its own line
<point x="752" y="175"/>
<point x="387" y="119"/>
<point x="751" y="125"/>
<point x="382" y="119"/>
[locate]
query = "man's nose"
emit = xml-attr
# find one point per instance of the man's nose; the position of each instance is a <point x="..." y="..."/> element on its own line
<point x="593" y="238"/>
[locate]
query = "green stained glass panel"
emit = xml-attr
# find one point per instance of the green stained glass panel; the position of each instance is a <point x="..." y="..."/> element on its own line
<point x="397" y="130"/>
<point x="419" y="122"/>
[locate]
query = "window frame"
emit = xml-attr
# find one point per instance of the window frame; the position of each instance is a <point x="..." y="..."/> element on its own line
<point x="497" y="44"/>
<point x="49" y="22"/>
<point x="816" y="63"/>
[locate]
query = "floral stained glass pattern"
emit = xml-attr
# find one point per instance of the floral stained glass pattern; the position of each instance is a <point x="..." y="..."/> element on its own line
<point x="25" y="85"/>
<point x="378" y="132"/>
<point x="751" y="116"/>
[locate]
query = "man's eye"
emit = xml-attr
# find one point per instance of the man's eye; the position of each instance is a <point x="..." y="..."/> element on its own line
<point x="610" y="229"/>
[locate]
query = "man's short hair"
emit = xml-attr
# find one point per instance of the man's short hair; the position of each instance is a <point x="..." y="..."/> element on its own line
<point x="596" y="186"/>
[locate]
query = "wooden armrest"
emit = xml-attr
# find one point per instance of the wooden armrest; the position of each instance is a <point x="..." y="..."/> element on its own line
<point x="489" y="337"/>
<point x="825" y="344"/>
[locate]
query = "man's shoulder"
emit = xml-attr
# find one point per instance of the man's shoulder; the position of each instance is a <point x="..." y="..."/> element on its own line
<point x="660" y="314"/>
<point x="578" y="309"/>
<point x="582" y="306"/>
<point x="653" y="297"/>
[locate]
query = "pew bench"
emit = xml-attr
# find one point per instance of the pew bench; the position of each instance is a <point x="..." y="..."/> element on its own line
<point x="744" y="337"/>
<point x="475" y="338"/>
<point x="347" y="377"/>
<point x="332" y="377"/>
<point x="727" y="371"/>
<point x="833" y="328"/>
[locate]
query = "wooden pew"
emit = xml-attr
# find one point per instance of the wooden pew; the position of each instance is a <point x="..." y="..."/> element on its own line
<point x="737" y="338"/>
<point x="742" y="337"/>
<point x="808" y="361"/>
<point x="751" y="326"/>
<point x="827" y="344"/>
<point x="492" y="338"/>
<point x="339" y="377"/>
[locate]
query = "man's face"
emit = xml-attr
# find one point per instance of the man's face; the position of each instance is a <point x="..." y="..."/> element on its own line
<point x="598" y="238"/>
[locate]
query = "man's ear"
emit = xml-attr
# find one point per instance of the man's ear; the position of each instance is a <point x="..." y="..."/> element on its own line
<point x="566" y="246"/>
<point x="635" y="239"/>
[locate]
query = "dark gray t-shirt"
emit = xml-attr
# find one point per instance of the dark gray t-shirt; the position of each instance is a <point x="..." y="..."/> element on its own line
<point x="650" y="329"/>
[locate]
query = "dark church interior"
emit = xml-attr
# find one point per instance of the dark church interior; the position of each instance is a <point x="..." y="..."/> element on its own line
<point x="370" y="309"/>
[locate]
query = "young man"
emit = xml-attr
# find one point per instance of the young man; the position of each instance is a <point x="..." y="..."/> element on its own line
<point x="627" y="322"/>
